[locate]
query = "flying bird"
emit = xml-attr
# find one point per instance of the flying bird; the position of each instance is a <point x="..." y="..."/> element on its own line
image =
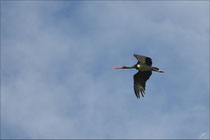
<point x="144" y="67"/>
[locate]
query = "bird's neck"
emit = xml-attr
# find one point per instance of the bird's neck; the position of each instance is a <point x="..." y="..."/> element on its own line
<point x="125" y="67"/>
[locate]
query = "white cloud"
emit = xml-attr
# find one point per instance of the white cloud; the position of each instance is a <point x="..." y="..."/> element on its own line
<point x="203" y="134"/>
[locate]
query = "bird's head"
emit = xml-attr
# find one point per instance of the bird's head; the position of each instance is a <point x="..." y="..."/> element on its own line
<point x="122" y="67"/>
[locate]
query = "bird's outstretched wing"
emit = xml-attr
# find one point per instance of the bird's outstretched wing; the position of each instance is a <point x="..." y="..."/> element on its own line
<point x="140" y="79"/>
<point x="143" y="59"/>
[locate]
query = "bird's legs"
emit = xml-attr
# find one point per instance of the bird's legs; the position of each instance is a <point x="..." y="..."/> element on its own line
<point x="161" y="71"/>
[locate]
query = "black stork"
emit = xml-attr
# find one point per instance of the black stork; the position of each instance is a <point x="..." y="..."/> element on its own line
<point x="144" y="67"/>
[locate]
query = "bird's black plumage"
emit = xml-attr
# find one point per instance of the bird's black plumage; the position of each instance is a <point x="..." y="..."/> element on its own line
<point x="144" y="67"/>
<point x="140" y="79"/>
<point x="143" y="59"/>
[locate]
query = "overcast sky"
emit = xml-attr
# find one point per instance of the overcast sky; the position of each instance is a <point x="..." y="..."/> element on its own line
<point x="57" y="79"/>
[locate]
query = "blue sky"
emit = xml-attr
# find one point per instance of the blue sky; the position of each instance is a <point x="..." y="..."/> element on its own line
<point x="57" y="79"/>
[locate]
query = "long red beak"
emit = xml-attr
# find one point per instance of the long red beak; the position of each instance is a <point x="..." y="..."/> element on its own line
<point x="118" y="68"/>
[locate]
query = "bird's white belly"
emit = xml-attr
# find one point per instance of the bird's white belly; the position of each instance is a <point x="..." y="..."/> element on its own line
<point x="143" y="67"/>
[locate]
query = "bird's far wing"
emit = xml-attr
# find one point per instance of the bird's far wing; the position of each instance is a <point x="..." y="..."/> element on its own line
<point x="143" y="59"/>
<point x="140" y="79"/>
